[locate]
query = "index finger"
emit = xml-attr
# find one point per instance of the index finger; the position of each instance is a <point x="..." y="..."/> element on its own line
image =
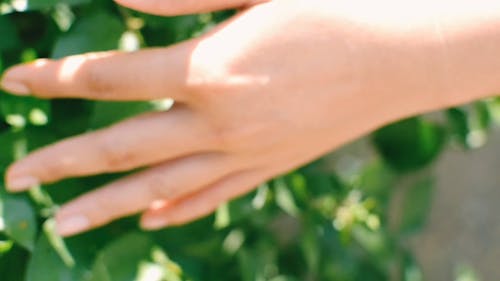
<point x="142" y="75"/>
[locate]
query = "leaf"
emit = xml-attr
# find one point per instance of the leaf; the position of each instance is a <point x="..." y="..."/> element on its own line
<point x="47" y="4"/>
<point x="411" y="269"/>
<point x="7" y="140"/>
<point x="162" y="31"/>
<point x="57" y="242"/>
<point x="13" y="264"/>
<point x="283" y="278"/>
<point x="10" y="38"/>
<point x="121" y="260"/>
<point x="254" y="261"/>
<point x="376" y="180"/>
<point x="378" y="245"/>
<point x="459" y="124"/>
<point x="96" y="32"/>
<point x="410" y="144"/>
<point x="417" y="204"/>
<point x="483" y="115"/>
<point x="46" y="265"/>
<point x="235" y="211"/>
<point x="108" y="113"/>
<point x="18" y="219"/>
<point x="70" y="117"/>
<point x="5" y="246"/>
<point x="284" y="198"/>
<point x="310" y="247"/>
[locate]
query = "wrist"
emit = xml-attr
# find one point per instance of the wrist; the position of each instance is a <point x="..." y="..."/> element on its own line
<point x="471" y="51"/>
<point x="446" y="56"/>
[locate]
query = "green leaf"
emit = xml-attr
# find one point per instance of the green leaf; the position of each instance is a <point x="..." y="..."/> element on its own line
<point x="411" y="269"/>
<point x="310" y="247"/>
<point x="7" y="140"/>
<point x="96" y="32"/>
<point x="57" y="242"/>
<point x="5" y="246"/>
<point x="108" y="113"/>
<point x="459" y="124"/>
<point x="376" y="180"/>
<point x="121" y="260"/>
<point x="10" y="38"/>
<point x="13" y="264"/>
<point x="417" y="204"/>
<point x="483" y="115"/>
<point x="18" y="219"/>
<point x="70" y="117"/>
<point x="162" y="31"/>
<point x="410" y="144"/>
<point x="47" y="4"/>
<point x="46" y="265"/>
<point x="235" y="211"/>
<point x="284" y="197"/>
<point x="254" y="261"/>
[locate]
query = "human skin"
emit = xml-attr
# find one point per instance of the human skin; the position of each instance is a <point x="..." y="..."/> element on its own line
<point x="278" y="85"/>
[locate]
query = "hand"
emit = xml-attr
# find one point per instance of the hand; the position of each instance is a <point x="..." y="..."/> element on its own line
<point x="278" y="85"/>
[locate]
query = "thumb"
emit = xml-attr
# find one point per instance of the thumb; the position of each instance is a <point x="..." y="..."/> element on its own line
<point x="181" y="7"/>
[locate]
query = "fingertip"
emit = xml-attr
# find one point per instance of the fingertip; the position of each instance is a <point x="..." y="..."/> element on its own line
<point x="13" y="80"/>
<point x="21" y="183"/>
<point x="73" y="224"/>
<point x="15" y="87"/>
<point x="16" y="181"/>
<point x="151" y="221"/>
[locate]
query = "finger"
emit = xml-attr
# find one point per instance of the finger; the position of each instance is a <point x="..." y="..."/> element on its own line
<point x="202" y="202"/>
<point x="144" y="140"/>
<point x="176" y="7"/>
<point x="135" y="193"/>
<point x="142" y="75"/>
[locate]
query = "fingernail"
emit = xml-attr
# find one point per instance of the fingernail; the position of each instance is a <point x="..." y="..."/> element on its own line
<point x="153" y="223"/>
<point x="15" y="87"/>
<point x="22" y="183"/>
<point x="72" y="225"/>
<point x="12" y="80"/>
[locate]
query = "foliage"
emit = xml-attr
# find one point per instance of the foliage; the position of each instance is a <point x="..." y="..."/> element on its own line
<point x="322" y="222"/>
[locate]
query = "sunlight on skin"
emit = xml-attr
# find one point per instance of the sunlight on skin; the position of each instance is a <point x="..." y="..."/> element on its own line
<point x="159" y="204"/>
<point x="205" y="65"/>
<point x="72" y="65"/>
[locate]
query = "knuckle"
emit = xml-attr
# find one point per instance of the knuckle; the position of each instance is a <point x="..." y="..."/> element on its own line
<point x="116" y="154"/>
<point x="53" y="165"/>
<point x="235" y="137"/>
<point x="225" y="137"/>
<point x="157" y="186"/>
<point x="220" y="137"/>
<point x="96" y="83"/>
<point x="206" y="77"/>
<point x="105" y="211"/>
<point x="53" y="170"/>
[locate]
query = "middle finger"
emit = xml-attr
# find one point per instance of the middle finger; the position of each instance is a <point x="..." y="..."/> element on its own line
<point x="139" y="141"/>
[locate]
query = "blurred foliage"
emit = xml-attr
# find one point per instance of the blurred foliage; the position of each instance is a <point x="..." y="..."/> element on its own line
<point x="331" y="220"/>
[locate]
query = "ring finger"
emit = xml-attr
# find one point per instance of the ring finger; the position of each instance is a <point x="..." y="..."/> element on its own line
<point x="168" y="181"/>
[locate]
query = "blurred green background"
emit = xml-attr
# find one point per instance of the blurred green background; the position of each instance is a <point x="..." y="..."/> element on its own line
<point x="357" y="214"/>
